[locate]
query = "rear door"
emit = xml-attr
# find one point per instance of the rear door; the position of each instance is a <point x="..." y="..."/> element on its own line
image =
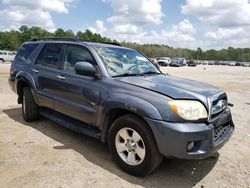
<point x="77" y="96"/>
<point x="45" y="73"/>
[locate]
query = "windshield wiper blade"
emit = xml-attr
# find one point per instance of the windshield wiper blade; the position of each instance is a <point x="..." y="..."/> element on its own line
<point x="141" y="74"/>
<point x="150" y="72"/>
<point x="125" y="74"/>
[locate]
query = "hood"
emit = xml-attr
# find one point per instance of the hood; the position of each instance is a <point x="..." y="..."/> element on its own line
<point x="174" y="87"/>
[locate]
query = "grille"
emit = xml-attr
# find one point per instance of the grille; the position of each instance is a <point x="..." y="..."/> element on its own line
<point x="221" y="131"/>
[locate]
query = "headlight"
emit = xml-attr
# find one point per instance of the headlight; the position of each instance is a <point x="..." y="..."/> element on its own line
<point x="188" y="109"/>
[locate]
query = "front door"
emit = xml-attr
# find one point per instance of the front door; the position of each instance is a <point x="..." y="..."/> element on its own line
<point x="77" y="96"/>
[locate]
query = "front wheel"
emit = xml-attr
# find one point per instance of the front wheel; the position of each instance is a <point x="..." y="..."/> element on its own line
<point x="133" y="146"/>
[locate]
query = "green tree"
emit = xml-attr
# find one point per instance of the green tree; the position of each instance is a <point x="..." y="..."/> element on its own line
<point x="11" y="40"/>
<point x="199" y="54"/>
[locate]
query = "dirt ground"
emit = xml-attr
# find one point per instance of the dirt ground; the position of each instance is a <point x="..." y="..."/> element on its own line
<point x="45" y="154"/>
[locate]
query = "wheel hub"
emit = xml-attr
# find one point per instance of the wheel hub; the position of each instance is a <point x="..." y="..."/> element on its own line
<point x="131" y="145"/>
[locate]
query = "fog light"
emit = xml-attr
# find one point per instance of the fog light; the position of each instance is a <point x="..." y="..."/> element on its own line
<point x="190" y="146"/>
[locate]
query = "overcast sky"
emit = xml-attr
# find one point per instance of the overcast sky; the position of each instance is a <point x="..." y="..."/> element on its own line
<point x="178" y="23"/>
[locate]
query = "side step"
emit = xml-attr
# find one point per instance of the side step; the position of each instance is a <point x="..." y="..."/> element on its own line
<point x="71" y="123"/>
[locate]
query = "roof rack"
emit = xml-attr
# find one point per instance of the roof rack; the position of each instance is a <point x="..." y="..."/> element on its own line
<point x="113" y="43"/>
<point x="54" y="38"/>
<point x="70" y="39"/>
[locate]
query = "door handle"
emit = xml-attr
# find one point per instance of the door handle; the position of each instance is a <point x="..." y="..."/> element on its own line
<point x="61" y="77"/>
<point x="35" y="71"/>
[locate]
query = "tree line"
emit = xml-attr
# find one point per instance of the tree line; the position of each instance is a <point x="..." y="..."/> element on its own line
<point x="11" y="40"/>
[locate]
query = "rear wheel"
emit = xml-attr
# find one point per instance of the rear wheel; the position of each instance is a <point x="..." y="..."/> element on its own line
<point x="133" y="146"/>
<point x="29" y="106"/>
<point x="1" y="61"/>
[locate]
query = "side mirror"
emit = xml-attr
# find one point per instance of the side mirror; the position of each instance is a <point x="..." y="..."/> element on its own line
<point x="85" y="68"/>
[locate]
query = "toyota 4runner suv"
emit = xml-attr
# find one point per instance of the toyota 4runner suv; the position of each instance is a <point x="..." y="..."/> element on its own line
<point x="115" y="94"/>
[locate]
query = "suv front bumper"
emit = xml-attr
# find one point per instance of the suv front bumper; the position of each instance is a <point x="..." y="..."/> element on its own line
<point x="192" y="140"/>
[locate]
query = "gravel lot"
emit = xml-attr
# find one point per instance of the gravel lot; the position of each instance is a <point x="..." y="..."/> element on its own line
<point x="45" y="154"/>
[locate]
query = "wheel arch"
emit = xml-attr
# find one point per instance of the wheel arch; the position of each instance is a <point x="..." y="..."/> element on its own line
<point x="113" y="115"/>
<point x="23" y="81"/>
<point x="141" y="109"/>
<point x="114" y="107"/>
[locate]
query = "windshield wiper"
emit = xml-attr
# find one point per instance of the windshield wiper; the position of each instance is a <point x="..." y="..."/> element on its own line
<point x="140" y="74"/>
<point x="150" y="72"/>
<point x="125" y="74"/>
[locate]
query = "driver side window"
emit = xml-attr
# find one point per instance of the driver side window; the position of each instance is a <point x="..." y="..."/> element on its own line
<point x="76" y="54"/>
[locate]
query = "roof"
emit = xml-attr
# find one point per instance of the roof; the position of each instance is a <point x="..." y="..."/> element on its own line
<point x="76" y="40"/>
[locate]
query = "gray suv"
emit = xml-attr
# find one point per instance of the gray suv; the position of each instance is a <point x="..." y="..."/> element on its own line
<point x="115" y="94"/>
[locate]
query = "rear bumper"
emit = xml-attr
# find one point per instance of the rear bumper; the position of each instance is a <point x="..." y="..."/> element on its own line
<point x="173" y="139"/>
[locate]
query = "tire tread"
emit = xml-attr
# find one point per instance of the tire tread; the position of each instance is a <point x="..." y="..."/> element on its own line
<point x="31" y="106"/>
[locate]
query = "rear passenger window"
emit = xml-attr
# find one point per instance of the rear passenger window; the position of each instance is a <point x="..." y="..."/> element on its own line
<point x="24" y="52"/>
<point x="76" y="54"/>
<point x="50" y="55"/>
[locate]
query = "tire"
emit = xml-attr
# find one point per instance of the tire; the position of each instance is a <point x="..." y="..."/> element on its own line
<point x="1" y="61"/>
<point x="139" y="154"/>
<point x="29" y="106"/>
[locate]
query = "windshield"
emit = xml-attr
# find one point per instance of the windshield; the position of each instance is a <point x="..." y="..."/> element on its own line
<point x="125" y="62"/>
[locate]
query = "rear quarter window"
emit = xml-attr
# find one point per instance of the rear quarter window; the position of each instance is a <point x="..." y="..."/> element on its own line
<point x="24" y="52"/>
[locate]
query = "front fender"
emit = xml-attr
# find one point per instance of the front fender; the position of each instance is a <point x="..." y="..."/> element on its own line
<point x="133" y="104"/>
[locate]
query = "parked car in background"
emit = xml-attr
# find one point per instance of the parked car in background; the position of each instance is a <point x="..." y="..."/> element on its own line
<point x="164" y="61"/>
<point x="204" y="62"/>
<point x="176" y="62"/>
<point x="223" y="62"/>
<point x="7" y="56"/>
<point x="237" y="64"/>
<point x="245" y="64"/>
<point x="210" y="62"/>
<point x="217" y="63"/>
<point x="197" y="62"/>
<point x="232" y="63"/>
<point x="191" y="63"/>
<point x="184" y="62"/>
